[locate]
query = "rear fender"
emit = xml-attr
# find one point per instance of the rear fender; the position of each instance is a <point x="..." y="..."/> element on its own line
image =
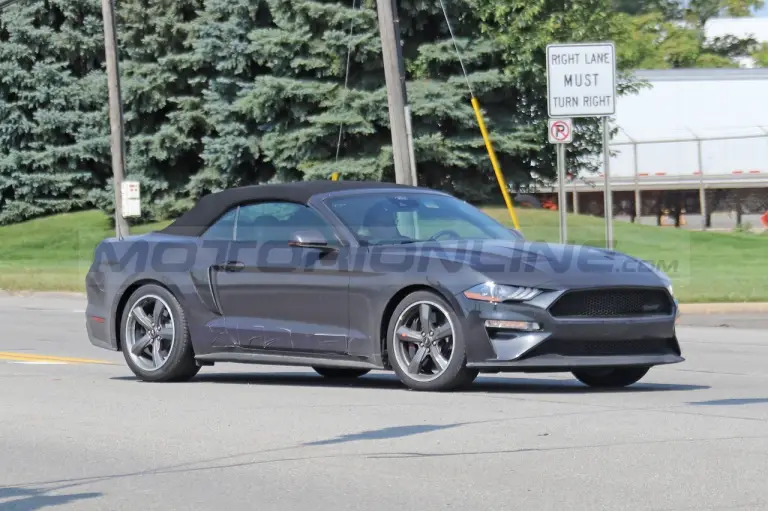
<point x="128" y="288"/>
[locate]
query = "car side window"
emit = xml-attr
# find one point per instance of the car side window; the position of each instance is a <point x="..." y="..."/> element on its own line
<point x="224" y="228"/>
<point x="277" y="222"/>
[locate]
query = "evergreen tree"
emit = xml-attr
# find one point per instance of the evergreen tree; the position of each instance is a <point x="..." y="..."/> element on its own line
<point x="225" y="93"/>
<point x="282" y="95"/>
<point x="450" y="150"/>
<point x="162" y="83"/>
<point x="231" y="153"/>
<point x="54" y="145"/>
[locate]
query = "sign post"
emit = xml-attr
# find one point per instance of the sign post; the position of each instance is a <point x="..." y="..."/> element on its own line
<point x="608" y="195"/>
<point x="131" y="195"/>
<point x="561" y="133"/>
<point x="581" y="82"/>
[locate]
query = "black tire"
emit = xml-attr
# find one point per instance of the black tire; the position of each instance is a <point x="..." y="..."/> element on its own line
<point x="180" y="363"/>
<point x="611" y="377"/>
<point x="340" y="373"/>
<point x="456" y="375"/>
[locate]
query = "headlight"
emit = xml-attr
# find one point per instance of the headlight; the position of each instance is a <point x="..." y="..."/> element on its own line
<point x="495" y="293"/>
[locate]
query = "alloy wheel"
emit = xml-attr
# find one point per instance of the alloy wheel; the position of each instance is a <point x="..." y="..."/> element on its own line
<point x="424" y="335"/>
<point x="150" y="332"/>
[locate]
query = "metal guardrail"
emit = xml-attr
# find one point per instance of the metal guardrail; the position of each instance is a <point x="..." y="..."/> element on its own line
<point x="697" y="178"/>
<point x="699" y="173"/>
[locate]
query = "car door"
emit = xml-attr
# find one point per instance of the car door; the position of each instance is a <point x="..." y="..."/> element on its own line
<point x="284" y="297"/>
<point x="209" y="266"/>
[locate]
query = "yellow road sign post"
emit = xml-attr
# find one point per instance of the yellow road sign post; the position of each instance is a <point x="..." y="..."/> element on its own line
<point x="495" y="163"/>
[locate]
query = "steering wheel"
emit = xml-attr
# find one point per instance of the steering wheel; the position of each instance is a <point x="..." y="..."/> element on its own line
<point x="445" y="232"/>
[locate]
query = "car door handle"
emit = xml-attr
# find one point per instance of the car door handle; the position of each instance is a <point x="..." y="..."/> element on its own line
<point x="230" y="266"/>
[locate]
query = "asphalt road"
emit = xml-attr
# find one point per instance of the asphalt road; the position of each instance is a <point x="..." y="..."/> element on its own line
<point x="86" y="435"/>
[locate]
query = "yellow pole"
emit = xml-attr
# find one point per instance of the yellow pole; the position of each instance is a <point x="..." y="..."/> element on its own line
<point x="335" y="176"/>
<point x="495" y="163"/>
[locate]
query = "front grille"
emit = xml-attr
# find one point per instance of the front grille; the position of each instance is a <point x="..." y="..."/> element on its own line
<point x="611" y="303"/>
<point x="603" y="348"/>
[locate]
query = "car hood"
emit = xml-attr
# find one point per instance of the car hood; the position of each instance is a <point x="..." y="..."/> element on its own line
<point x="537" y="264"/>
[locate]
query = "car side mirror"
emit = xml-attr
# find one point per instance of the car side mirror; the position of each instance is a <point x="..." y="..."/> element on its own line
<point x="310" y="238"/>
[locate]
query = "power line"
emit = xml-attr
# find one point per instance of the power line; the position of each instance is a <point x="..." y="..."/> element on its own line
<point x="346" y="77"/>
<point x="456" y="47"/>
<point x="483" y="129"/>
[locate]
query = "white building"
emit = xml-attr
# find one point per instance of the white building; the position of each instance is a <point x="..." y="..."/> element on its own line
<point x="695" y="139"/>
<point x="698" y="131"/>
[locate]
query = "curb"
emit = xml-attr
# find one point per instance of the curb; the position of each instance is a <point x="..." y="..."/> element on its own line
<point x="40" y="294"/>
<point x="723" y="308"/>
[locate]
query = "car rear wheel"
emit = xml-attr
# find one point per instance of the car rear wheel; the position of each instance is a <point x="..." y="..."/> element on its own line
<point x="340" y="373"/>
<point x="611" y="377"/>
<point x="155" y="337"/>
<point x="425" y="344"/>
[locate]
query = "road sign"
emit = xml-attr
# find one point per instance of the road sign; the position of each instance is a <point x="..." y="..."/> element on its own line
<point x="131" y="193"/>
<point x="581" y="79"/>
<point x="560" y="131"/>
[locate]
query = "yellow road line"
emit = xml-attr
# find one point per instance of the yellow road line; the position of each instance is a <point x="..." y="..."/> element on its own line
<point x="27" y="357"/>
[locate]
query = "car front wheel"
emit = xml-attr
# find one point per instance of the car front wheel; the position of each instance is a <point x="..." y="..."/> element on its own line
<point x="155" y="337"/>
<point x="426" y="346"/>
<point x="611" y="377"/>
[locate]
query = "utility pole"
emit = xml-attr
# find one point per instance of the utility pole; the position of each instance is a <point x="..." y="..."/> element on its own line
<point x="115" y="113"/>
<point x="394" y="74"/>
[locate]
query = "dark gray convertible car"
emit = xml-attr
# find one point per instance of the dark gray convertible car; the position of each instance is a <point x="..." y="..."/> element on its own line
<point x="349" y="277"/>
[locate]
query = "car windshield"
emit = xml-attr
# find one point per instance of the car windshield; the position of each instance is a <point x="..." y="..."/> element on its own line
<point x="411" y="217"/>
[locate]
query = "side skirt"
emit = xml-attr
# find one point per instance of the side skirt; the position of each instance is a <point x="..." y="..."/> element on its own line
<point x="285" y="360"/>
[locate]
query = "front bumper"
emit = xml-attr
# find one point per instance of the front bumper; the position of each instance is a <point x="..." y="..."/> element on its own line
<point x="563" y="344"/>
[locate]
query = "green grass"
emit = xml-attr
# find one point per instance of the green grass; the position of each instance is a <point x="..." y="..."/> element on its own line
<point x="704" y="266"/>
<point x="52" y="254"/>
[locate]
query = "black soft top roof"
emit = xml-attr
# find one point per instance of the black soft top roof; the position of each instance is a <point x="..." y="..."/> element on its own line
<point x="210" y="207"/>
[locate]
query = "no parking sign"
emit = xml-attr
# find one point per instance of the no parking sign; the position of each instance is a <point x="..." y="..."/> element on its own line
<point x="560" y="131"/>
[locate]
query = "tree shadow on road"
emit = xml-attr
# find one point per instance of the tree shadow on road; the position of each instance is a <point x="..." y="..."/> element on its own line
<point x="385" y="433"/>
<point x="33" y="499"/>
<point x="30" y="499"/>
<point x="731" y="402"/>
<point x="382" y="380"/>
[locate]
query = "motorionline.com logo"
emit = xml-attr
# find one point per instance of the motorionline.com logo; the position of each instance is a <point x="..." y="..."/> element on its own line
<point x="481" y="256"/>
